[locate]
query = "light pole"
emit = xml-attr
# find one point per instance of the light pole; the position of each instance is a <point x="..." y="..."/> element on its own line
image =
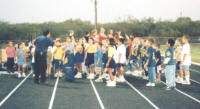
<point x="95" y="6"/>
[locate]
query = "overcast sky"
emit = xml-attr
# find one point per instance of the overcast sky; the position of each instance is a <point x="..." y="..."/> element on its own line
<point x="18" y="11"/>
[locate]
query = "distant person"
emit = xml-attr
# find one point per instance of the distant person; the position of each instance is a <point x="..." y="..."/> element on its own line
<point x="110" y="34"/>
<point x="20" y="54"/>
<point x="170" y="67"/>
<point x="58" y="57"/>
<point x="151" y="63"/>
<point x="87" y="35"/>
<point x="186" y="59"/>
<point x="42" y="43"/>
<point x="102" y="35"/>
<point x="10" y="51"/>
<point x="94" y="34"/>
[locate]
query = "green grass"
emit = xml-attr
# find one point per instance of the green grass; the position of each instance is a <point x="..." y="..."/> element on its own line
<point x="195" y="51"/>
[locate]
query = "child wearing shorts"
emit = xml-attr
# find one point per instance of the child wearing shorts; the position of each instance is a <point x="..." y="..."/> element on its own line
<point x="98" y="62"/>
<point x="58" y="57"/>
<point x="20" y="54"/>
<point x="90" y="50"/>
<point x="186" y="59"/>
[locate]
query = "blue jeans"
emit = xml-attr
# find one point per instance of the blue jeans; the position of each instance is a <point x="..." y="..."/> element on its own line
<point x="170" y="75"/>
<point x="69" y="74"/>
<point x="130" y="67"/>
<point x="152" y="74"/>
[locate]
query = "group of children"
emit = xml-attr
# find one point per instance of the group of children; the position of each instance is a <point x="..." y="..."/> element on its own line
<point x="104" y="57"/>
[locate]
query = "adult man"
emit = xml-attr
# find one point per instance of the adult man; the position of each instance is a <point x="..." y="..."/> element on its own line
<point x="42" y="43"/>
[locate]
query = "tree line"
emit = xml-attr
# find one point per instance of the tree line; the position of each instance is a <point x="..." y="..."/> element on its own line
<point x="145" y="27"/>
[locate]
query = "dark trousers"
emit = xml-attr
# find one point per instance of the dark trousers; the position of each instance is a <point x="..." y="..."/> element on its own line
<point x="10" y="65"/>
<point x="40" y="66"/>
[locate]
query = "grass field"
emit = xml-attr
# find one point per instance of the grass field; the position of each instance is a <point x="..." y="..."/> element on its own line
<point x="195" y="51"/>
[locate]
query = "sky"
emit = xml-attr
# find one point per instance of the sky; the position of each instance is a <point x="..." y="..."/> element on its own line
<point x="38" y="11"/>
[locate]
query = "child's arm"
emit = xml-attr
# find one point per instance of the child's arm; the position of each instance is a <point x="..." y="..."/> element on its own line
<point x="119" y="58"/>
<point x="109" y="59"/>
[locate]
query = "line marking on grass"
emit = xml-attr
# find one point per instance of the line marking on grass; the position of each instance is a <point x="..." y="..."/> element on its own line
<point x="53" y="94"/>
<point x="195" y="81"/>
<point x="150" y="102"/>
<point x="191" y="97"/>
<point x="10" y="94"/>
<point x="97" y="95"/>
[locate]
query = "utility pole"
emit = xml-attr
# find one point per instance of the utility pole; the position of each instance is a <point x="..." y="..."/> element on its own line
<point x="95" y="5"/>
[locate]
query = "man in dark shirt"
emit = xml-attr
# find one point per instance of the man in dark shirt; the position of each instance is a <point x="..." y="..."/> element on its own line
<point x="42" y="43"/>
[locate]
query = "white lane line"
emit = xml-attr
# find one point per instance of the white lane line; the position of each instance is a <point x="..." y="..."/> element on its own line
<point x="195" y="81"/>
<point x="150" y="102"/>
<point x="193" y="70"/>
<point x="97" y="95"/>
<point x="53" y="94"/>
<point x="10" y="94"/>
<point x="191" y="97"/>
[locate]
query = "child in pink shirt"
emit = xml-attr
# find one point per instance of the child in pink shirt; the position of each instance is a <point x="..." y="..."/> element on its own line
<point x="10" y="51"/>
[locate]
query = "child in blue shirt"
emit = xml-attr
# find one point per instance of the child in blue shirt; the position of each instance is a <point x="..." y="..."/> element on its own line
<point x="98" y="63"/>
<point x="68" y="66"/>
<point x="156" y="46"/>
<point x="151" y="63"/>
<point x="20" y="54"/>
<point x="170" y="67"/>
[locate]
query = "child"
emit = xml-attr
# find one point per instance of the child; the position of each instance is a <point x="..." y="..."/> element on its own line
<point x="151" y="63"/>
<point x="178" y="50"/>
<point x="90" y="50"/>
<point x="58" y="57"/>
<point x="128" y="54"/>
<point x="68" y="66"/>
<point x="156" y="46"/>
<point x="49" y="61"/>
<point x="10" y="51"/>
<point x="104" y="59"/>
<point x="143" y="56"/>
<point x="20" y="54"/>
<point x="170" y="67"/>
<point x="135" y="56"/>
<point x="120" y="59"/>
<point x="33" y="58"/>
<point x="110" y="65"/>
<point x="79" y="58"/>
<point x="186" y="59"/>
<point x="98" y="62"/>
<point x="102" y="35"/>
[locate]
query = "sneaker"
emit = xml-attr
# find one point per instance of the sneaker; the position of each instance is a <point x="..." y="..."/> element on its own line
<point x="139" y="73"/>
<point x="178" y="80"/>
<point x="128" y="72"/>
<point x="19" y="75"/>
<point x="56" y="74"/>
<point x="78" y="75"/>
<point x="135" y="73"/>
<point x="111" y="84"/>
<point x="186" y="82"/>
<point x="168" y="88"/>
<point x="106" y="76"/>
<point x="145" y="77"/>
<point x="60" y="74"/>
<point x="33" y="75"/>
<point x="121" y="79"/>
<point x="150" y="84"/>
<point x="23" y="75"/>
<point x="99" y="79"/>
<point x="91" y="76"/>
<point x="153" y="84"/>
